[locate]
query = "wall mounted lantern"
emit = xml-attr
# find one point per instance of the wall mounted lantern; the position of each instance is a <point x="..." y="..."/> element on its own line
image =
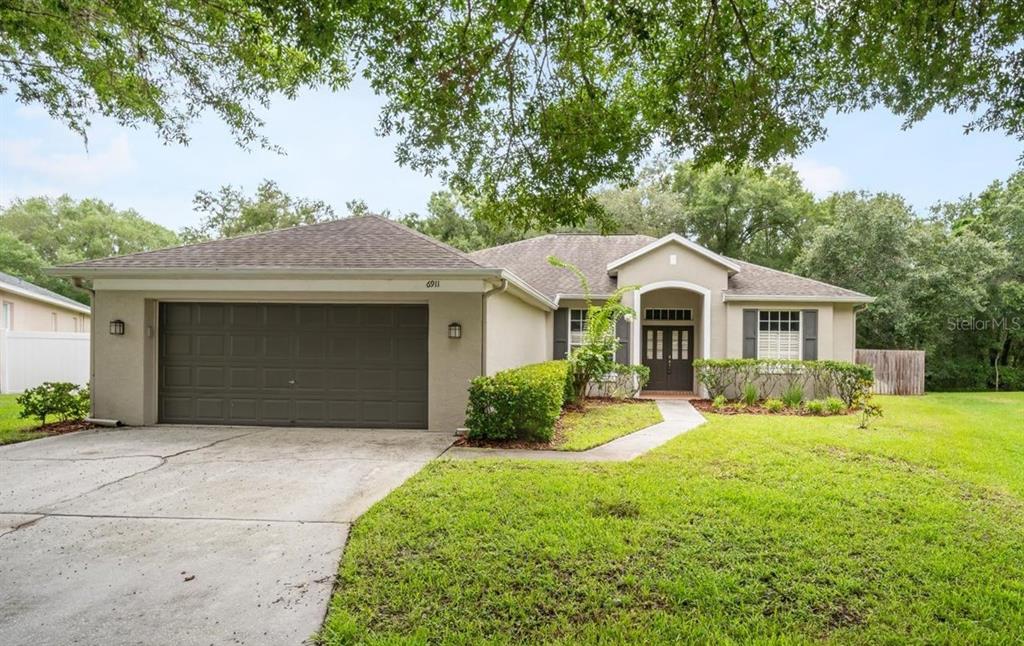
<point x="454" y="331"/>
<point x="117" y="327"/>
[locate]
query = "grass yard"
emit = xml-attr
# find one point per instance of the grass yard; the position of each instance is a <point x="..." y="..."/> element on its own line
<point x="780" y="530"/>
<point x="603" y="422"/>
<point x="13" y="428"/>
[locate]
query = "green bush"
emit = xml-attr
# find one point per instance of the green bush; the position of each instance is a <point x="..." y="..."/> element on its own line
<point x="522" y="403"/>
<point x="625" y="381"/>
<point x="955" y="373"/>
<point x="61" y="399"/>
<point x="1010" y="378"/>
<point x="749" y="396"/>
<point x="835" y="406"/>
<point x="851" y="382"/>
<point x="815" y="407"/>
<point x="719" y="402"/>
<point x="793" y="396"/>
<point x="774" y="405"/>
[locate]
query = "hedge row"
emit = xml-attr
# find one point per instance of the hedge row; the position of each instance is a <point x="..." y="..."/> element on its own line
<point x="851" y="382"/>
<point x="520" y="403"/>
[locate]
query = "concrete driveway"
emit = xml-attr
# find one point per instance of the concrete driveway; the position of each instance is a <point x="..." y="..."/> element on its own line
<point x="186" y="535"/>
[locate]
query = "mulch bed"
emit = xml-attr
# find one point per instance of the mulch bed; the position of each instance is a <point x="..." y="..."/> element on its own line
<point x="556" y="439"/>
<point x="704" y="406"/>
<point x="60" y="428"/>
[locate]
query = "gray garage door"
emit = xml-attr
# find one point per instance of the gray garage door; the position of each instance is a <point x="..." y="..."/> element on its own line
<point x="359" y="366"/>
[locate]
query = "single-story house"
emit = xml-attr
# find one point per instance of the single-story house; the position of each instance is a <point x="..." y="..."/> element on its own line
<point x="27" y="307"/>
<point x="363" y="322"/>
<point x="44" y="336"/>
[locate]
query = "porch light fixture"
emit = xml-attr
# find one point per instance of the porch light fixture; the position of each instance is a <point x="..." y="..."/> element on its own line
<point x="454" y="330"/>
<point x="117" y="327"/>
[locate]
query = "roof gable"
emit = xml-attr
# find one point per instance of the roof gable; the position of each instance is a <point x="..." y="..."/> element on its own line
<point x="369" y="242"/>
<point x="678" y="239"/>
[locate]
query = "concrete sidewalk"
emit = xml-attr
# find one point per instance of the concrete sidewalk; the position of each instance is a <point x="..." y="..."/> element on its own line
<point x="679" y="417"/>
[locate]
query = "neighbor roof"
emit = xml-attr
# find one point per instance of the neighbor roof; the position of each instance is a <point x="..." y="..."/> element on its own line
<point x="594" y="254"/>
<point x="366" y="242"/>
<point x="31" y="290"/>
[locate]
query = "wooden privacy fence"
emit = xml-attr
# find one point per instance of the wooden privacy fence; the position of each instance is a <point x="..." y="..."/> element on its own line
<point x="897" y="372"/>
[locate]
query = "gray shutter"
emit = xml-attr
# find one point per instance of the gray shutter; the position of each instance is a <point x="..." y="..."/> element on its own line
<point x="809" y="326"/>
<point x="561" y="333"/>
<point x="749" y="334"/>
<point x="622" y="333"/>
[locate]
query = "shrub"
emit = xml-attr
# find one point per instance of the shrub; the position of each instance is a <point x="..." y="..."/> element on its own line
<point x="955" y="373"/>
<point x="749" y="396"/>
<point x="626" y="381"/>
<point x="1010" y="378"/>
<point x="835" y="406"/>
<point x="719" y="402"/>
<point x="63" y="400"/>
<point x="774" y="405"/>
<point x="815" y="407"/>
<point x="521" y="403"/>
<point x="850" y="382"/>
<point x="793" y="396"/>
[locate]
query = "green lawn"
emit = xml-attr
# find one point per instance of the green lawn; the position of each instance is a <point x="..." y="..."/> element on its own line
<point x="601" y="423"/>
<point x="779" y="530"/>
<point x="13" y="428"/>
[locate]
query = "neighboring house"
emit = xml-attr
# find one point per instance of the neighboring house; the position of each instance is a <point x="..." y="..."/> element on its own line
<point x="25" y="307"/>
<point x="365" y="323"/>
<point x="43" y="336"/>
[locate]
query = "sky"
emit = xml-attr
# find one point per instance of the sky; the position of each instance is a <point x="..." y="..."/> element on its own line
<point x="333" y="154"/>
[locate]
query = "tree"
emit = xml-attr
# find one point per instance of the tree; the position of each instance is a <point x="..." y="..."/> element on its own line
<point x="163" y="63"/>
<point x="41" y="232"/>
<point x="526" y="106"/>
<point x="452" y="221"/>
<point x="761" y="216"/>
<point x="229" y="212"/>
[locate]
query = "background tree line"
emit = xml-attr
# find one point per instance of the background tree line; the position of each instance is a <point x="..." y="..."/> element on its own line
<point x="950" y="282"/>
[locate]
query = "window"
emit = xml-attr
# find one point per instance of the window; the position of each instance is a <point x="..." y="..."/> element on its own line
<point x="662" y="314"/>
<point x="7" y="317"/>
<point x="53" y="320"/>
<point x="778" y="334"/>
<point x="577" y="327"/>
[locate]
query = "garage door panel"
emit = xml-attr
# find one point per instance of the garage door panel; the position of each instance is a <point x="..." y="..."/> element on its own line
<point x="290" y="364"/>
<point x="210" y="377"/>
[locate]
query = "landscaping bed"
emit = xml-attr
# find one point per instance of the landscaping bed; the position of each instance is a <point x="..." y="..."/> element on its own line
<point x="580" y="428"/>
<point x="736" y="408"/>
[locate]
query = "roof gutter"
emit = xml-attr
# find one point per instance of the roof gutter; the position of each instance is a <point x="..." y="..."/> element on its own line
<point x="746" y="298"/>
<point x="263" y="272"/>
<point x="20" y="291"/>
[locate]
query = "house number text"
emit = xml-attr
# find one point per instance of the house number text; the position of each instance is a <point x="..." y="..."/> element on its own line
<point x="432" y="284"/>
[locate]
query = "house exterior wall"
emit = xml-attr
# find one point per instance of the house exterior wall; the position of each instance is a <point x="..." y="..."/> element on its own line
<point x="837" y="329"/>
<point x="517" y="333"/>
<point x="124" y="368"/>
<point x="690" y="267"/>
<point x="31" y="315"/>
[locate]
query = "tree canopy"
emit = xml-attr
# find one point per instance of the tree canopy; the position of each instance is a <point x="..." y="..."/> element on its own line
<point x="526" y="106"/>
<point x="230" y="212"/>
<point x="41" y="232"/>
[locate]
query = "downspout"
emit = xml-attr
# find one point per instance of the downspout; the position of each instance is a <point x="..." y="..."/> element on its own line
<point x="80" y="284"/>
<point x="856" y="309"/>
<point x="483" y="322"/>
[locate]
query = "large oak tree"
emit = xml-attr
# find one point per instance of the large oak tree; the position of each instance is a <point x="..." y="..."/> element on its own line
<point x="527" y="105"/>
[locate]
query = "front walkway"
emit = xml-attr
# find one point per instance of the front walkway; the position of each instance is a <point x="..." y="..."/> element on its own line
<point x="679" y="417"/>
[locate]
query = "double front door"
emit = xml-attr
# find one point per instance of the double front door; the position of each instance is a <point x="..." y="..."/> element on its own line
<point x="668" y="352"/>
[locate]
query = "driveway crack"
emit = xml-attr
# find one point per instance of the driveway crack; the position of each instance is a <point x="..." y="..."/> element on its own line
<point x="162" y="461"/>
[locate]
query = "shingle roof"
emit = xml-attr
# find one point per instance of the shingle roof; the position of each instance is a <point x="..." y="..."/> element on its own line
<point x="14" y="281"/>
<point x="592" y="253"/>
<point x="528" y="259"/>
<point x="755" y="280"/>
<point x="362" y="242"/>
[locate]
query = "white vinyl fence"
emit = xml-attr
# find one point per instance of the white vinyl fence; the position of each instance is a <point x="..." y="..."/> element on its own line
<point x="27" y="359"/>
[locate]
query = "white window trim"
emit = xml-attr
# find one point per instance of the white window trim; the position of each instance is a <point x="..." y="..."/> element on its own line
<point x="800" y="330"/>
<point x="7" y="316"/>
<point x="568" y="332"/>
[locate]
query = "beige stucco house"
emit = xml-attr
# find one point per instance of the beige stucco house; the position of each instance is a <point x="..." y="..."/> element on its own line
<point x="365" y="323"/>
<point x="25" y="307"/>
